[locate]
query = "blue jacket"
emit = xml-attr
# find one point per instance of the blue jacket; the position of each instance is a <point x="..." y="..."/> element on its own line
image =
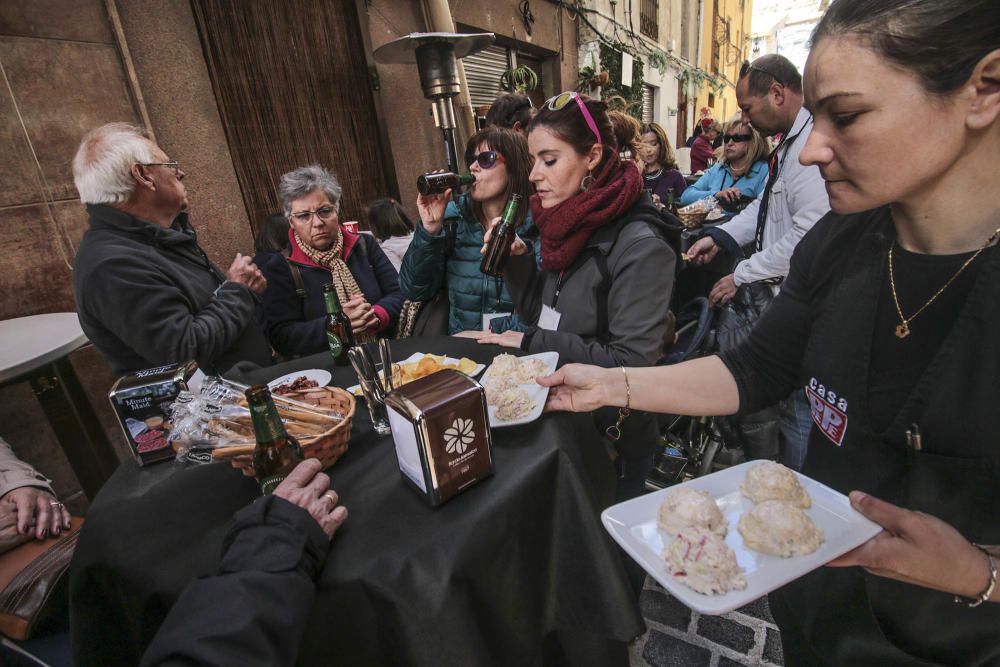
<point x="297" y="327"/>
<point x="427" y="267"/>
<point x="719" y="178"/>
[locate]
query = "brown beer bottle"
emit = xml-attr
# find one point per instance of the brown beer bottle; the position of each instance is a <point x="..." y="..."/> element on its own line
<point x="499" y="246"/>
<point x="434" y="184"/>
<point x="339" y="334"/>
<point x="276" y="452"/>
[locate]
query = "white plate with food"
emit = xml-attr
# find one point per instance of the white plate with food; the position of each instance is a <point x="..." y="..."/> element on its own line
<point x="512" y="395"/>
<point x="419" y="364"/>
<point x="634" y="525"/>
<point x="301" y="380"/>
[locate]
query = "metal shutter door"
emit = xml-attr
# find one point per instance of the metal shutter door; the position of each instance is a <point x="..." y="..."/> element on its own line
<point x="647" y="104"/>
<point x="482" y="72"/>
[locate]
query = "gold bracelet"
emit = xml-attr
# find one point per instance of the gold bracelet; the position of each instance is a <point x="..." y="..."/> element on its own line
<point x="615" y="431"/>
<point x="988" y="591"/>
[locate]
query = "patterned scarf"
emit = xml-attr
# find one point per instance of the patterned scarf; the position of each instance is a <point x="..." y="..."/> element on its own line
<point x="343" y="280"/>
<point x="565" y="228"/>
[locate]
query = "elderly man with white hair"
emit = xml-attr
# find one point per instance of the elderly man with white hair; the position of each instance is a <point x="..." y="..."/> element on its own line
<point x="146" y="293"/>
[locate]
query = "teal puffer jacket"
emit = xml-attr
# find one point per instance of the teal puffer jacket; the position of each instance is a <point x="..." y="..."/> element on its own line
<point x="428" y="266"/>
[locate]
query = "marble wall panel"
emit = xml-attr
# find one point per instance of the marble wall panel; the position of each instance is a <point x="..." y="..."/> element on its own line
<point x="77" y="20"/>
<point x="19" y="180"/>
<point x="36" y="276"/>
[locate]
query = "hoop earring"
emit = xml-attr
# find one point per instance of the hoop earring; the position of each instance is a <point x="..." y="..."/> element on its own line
<point x="586" y="182"/>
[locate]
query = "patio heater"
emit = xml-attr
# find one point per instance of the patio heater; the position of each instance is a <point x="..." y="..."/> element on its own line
<point x="435" y="55"/>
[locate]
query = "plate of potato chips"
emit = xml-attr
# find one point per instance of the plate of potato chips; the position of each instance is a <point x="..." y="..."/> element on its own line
<point x="419" y="365"/>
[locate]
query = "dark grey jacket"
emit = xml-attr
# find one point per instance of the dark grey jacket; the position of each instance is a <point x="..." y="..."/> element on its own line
<point x="148" y="295"/>
<point x="636" y="298"/>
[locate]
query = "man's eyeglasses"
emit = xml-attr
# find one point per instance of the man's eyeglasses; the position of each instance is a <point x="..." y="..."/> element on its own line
<point x="172" y="165"/>
<point x="560" y="101"/>
<point x="486" y="159"/>
<point x="738" y="138"/>
<point x="745" y="69"/>
<point x="324" y="213"/>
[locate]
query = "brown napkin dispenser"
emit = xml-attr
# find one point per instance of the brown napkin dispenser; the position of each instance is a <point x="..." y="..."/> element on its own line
<point x="442" y="434"/>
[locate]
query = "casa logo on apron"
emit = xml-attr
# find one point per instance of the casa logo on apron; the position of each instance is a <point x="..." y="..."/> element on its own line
<point x="829" y="411"/>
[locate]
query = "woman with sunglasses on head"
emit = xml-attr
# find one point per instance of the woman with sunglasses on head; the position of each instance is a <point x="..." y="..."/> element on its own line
<point x="499" y="160"/>
<point x="322" y="252"/>
<point x="659" y="170"/>
<point x="602" y="293"/>
<point x="889" y="320"/>
<point x="740" y="176"/>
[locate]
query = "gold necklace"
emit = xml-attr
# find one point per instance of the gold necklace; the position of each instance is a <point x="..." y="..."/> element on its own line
<point x="903" y="328"/>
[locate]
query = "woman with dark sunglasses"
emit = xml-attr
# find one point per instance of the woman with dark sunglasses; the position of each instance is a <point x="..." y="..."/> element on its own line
<point x="602" y="293"/>
<point x="742" y="173"/>
<point x="499" y="160"/>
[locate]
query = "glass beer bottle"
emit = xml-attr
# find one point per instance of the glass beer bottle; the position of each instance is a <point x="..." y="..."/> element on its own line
<point x="339" y="334"/>
<point x="503" y="234"/>
<point x="433" y="184"/>
<point x="276" y="452"/>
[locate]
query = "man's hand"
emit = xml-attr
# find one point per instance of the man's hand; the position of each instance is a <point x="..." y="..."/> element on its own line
<point x="361" y="313"/>
<point x="505" y="339"/>
<point x="580" y="387"/>
<point x="702" y="251"/>
<point x="245" y="272"/>
<point x="309" y="488"/>
<point x="10" y="536"/>
<point x="729" y="194"/>
<point x="917" y="548"/>
<point x="723" y="292"/>
<point x="37" y="508"/>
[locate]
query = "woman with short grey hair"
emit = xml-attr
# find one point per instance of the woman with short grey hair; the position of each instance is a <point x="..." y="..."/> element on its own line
<point x="321" y="252"/>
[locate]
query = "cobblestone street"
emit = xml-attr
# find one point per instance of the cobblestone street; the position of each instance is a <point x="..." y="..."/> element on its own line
<point x="679" y="637"/>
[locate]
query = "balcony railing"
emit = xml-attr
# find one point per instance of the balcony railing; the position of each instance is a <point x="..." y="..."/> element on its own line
<point x="649" y="18"/>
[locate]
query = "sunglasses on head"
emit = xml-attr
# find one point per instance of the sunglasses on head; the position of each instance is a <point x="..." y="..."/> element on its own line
<point x="559" y="102"/>
<point x="738" y="138"/>
<point x="745" y="69"/>
<point x="486" y="159"/>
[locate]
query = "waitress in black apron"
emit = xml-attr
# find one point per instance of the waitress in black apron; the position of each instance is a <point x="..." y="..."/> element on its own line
<point x="890" y="321"/>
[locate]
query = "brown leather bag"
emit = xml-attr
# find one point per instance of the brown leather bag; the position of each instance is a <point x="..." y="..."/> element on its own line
<point x="33" y="582"/>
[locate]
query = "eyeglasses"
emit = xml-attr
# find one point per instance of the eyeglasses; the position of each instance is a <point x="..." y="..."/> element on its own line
<point x="324" y="213"/>
<point x="486" y="159"/>
<point x="172" y="165"/>
<point x="745" y="69"/>
<point x="738" y="138"/>
<point x="559" y="102"/>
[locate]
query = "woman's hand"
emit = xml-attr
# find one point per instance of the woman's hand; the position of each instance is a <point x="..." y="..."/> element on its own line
<point x="917" y="548"/>
<point x="472" y="333"/>
<point x="581" y="388"/>
<point x="517" y="246"/>
<point x="431" y="209"/>
<point x="309" y="488"/>
<point x="10" y="536"/>
<point x="37" y="509"/>
<point x="505" y="339"/>
<point x="361" y="313"/>
<point x="729" y="194"/>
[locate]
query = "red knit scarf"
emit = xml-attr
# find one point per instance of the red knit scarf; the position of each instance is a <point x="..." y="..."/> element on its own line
<point x="566" y="227"/>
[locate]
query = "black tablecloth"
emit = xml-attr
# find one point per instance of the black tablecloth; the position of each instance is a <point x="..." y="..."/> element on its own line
<point x="516" y="570"/>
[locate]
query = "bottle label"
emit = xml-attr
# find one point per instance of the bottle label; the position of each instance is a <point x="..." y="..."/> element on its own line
<point x="268" y="483"/>
<point x="336" y="345"/>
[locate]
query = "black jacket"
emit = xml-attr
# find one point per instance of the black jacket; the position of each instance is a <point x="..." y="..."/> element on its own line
<point x="254" y="611"/>
<point x="148" y="295"/>
<point x="817" y="334"/>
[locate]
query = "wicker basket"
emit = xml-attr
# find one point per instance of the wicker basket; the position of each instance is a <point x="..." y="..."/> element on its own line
<point x="329" y="445"/>
<point x="692" y="220"/>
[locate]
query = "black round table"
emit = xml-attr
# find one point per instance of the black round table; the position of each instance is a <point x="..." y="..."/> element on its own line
<point x="516" y="570"/>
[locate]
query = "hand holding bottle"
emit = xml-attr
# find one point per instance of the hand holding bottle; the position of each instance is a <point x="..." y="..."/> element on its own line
<point x="517" y="246"/>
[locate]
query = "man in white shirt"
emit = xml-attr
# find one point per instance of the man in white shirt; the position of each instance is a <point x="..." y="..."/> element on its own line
<point x="769" y="92"/>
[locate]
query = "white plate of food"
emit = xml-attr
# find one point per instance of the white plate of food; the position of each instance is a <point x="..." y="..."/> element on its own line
<point x="419" y="364"/>
<point x="512" y="395"/>
<point x="300" y="380"/>
<point x="635" y="525"/>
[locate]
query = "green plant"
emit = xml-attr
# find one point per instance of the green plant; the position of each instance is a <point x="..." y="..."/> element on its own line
<point x="520" y="79"/>
<point x="611" y="60"/>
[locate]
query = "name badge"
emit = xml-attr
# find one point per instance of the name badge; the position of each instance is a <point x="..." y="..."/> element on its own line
<point x="549" y="319"/>
<point x="488" y="317"/>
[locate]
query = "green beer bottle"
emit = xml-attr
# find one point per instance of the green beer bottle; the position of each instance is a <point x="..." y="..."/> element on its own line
<point x="276" y="452"/>
<point x="339" y="334"/>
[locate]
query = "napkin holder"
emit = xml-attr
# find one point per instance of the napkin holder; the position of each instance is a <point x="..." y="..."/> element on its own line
<point x="142" y="400"/>
<point x="442" y="434"/>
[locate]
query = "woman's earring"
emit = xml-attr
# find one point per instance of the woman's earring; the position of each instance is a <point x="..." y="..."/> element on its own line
<point x="586" y="182"/>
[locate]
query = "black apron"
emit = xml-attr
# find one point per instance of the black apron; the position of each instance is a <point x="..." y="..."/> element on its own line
<point x="845" y="615"/>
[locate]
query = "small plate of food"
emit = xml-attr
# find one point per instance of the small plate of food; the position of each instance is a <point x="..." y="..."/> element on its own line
<point x="512" y="395"/>
<point x="298" y="380"/>
<point x="723" y="540"/>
